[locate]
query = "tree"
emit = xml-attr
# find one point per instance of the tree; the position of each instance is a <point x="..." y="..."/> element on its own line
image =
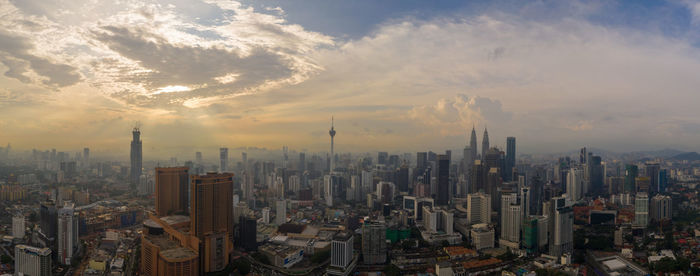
<point x="445" y="243"/>
<point x="243" y="266"/>
<point x="321" y="256"/>
<point x="392" y="270"/>
<point x="262" y="258"/>
<point x="5" y="259"/>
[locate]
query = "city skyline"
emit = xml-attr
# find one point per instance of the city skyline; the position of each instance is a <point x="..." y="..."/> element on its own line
<point x="555" y="84"/>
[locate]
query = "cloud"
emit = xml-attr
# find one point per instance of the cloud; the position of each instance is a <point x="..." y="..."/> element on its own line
<point x="451" y="116"/>
<point x="15" y="54"/>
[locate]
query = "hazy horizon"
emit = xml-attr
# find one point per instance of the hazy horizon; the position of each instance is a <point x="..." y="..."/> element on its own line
<point x="398" y="76"/>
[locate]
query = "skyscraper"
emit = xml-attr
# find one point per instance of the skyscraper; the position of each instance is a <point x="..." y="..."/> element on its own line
<point x="563" y="232"/>
<point x="660" y="208"/>
<point x="511" y="216"/>
<point x="630" y="178"/>
<point x="472" y="144"/>
<point x="281" y="212"/>
<point x="171" y="190"/>
<point x="641" y="210"/>
<point x="342" y="255"/>
<point x="652" y="172"/>
<point x="443" y="196"/>
<point x="86" y="158"/>
<point x="374" y="247"/>
<point x="18" y="227"/>
<point x="485" y="144"/>
<point x="478" y="208"/>
<point x="248" y="231"/>
<point x="223" y="160"/>
<point x="67" y="234"/>
<point x="136" y="156"/>
<point x="32" y="261"/>
<point x="211" y="220"/>
<point x="510" y="158"/>
<point x="332" y="134"/>
<point x="574" y="184"/>
<point x="595" y="172"/>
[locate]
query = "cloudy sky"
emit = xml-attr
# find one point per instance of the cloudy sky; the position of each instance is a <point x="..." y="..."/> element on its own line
<point x="397" y="75"/>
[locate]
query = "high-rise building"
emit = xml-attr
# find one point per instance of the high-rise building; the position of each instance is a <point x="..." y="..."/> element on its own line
<point x="172" y="190"/>
<point x="510" y="158"/>
<point x="86" y="158"/>
<point x="478" y="208"/>
<point x="511" y="219"/>
<point x="266" y="215"/>
<point x="421" y="161"/>
<point x="482" y="236"/>
<point x="525" y="201"/>
<point x="48" y="219"/>
<point x="223" y="160"/>
<point x="630" y="177"/>
<point x="574" y="184"/>
<point x="643" y="184"/>
<point x="18" y="227"/>
<point x="332" y="134"/>
<point x="382" y="158"/>
<point x="67" y="234"/>
<point x="477" y="178"/>
<point x="641" y="210"/>
<point x="493" y="183"/>
<point x="402" y="179"/>
<point x="485" y="144"/>
<point x="472" y="144"/>
<point x="281" y="212"/>
<point x="443" y="196"/>
<point x="32" y="261"/>
<point x="596" y="175"/>
<point x="211" y="220"/>
<point x="660" y="208"/>
<point x="166" y="251"/>
<point x="563" y="232"/>
<point x="374" y="247"/>
<point x="136" y="156"/>
<point x="652" y="172"/>
<point x="342" y="256"/>
<point x="248" y="233"/>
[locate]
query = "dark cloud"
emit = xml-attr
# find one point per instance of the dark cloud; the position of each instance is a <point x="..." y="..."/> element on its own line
<point x="15" y="54"/>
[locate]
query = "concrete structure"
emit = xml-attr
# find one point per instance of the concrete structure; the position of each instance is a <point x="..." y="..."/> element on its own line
<point x="332" y="134"/>
<point x="32" y="261"/>
<point x="212" y="219"/>
<point x="223" y="160"/>
<point x="660" y="208"/>
<point x="136" y="156"/>
<point x="266" y="215"/>
<point x="281" y="211"/>
<point x="18" y="227"/>
<point x="478" y="208"/>
<point x="374" y="246"/>
<point x="563" y="233"/>
<point x="641" y="210"/>
<point x="342" y="256"/>
<point x="482" y="236"/>
<point x="575" y="184"/>
<point x="165" y="251"/>
<point x="68" y="243"/>
<point x="171" y="190"/>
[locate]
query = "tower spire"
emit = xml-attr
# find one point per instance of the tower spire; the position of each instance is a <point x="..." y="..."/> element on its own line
<point x="332" y="134"/>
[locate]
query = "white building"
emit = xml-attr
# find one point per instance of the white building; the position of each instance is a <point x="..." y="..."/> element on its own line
<point x="478" y="208"/>
<point x="563" y="235"/>
<point x="510" y="218"/>
<point x="32" y="261"/>
<point x="18" y="227"/>
<point x="67" y="233"/>
<point x="343" y="259"/>
<point x="660" y="208"/>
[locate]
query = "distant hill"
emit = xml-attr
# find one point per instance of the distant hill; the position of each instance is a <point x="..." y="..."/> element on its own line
<point x="690" y="156"/>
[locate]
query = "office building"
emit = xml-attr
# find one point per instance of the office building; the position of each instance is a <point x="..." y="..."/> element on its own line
<point x="18" y="227"/>
<point x="166" y="251"/>
<point x="343" y="259"/>
<point x="641" y="210"/>
<point x="478" y="208"/>
<point x="223" y="160"/>
<point x="68" y="243"/>
<point x="374" y="248"/>
<point x="660" y="208"/>
<point x="266" y="215"/>
<point x="596" y="175"/>
<point x="562" y="241"/>
<point x="510" y="158"/>
<point x="172" y="191"/>
<point x="281" y="211"/>
<point x="248" y="233"/>
<point x="212" y="221"/>
<point x="631" y="172"/>
<point x="643" y="184"/>
<point x="32" y="261"/>
<point x="482" y="236"/>
<point x="652" y="171"/>
<point x="485" y="144"/>
<point x="575" y="184"/>
<point x="48" y="219"/>
<point x="136" y="157"/>
<point x="443" y="188"/>
<point x="511" y="218"/>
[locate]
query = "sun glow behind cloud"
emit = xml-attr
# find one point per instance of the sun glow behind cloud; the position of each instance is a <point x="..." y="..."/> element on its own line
<point x="171" y="89"/>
